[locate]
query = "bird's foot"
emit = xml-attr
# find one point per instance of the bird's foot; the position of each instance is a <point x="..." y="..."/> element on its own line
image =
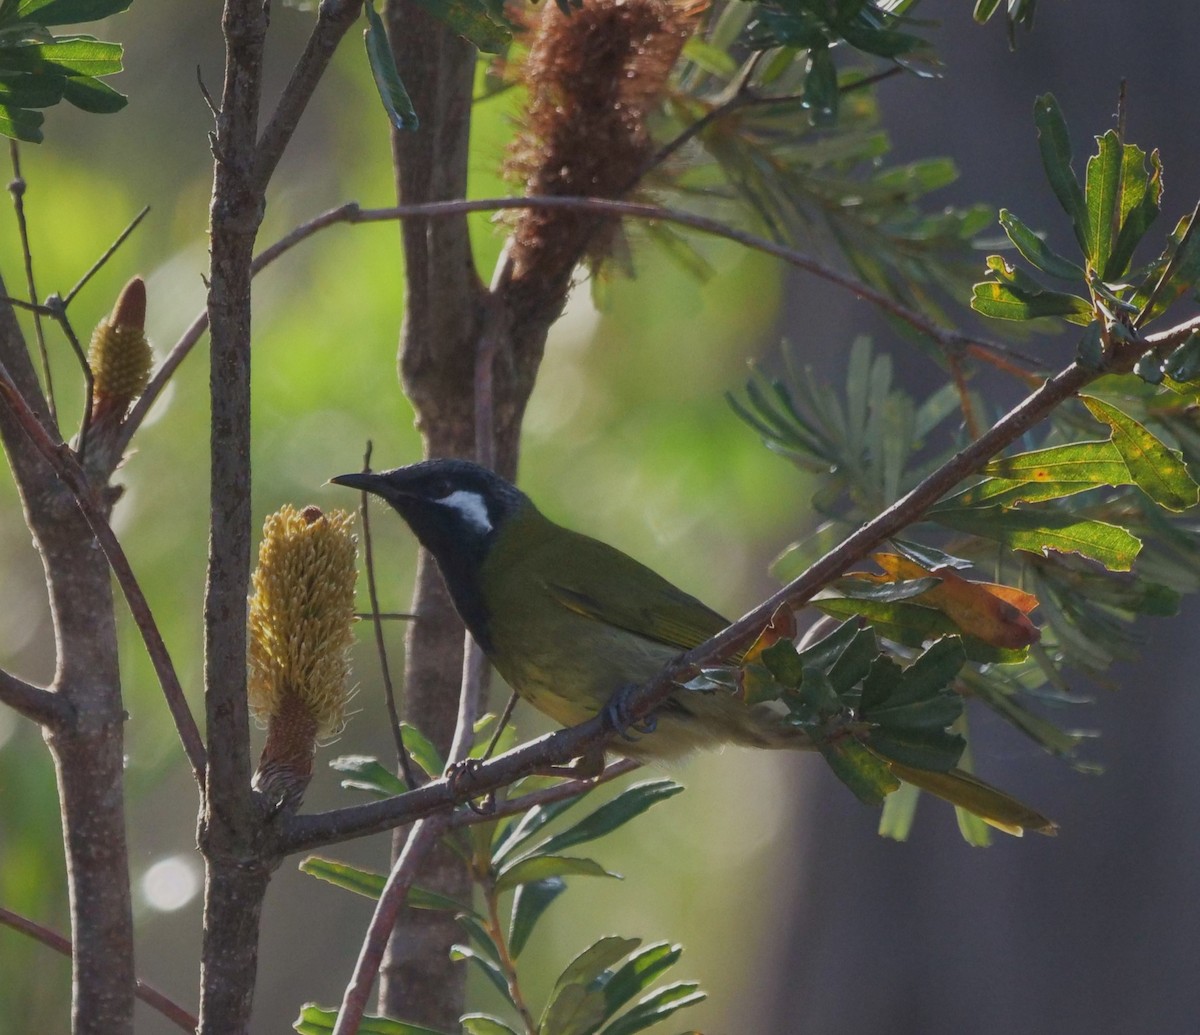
<point x="459" y="776"/>
<point x="617" y="714"/>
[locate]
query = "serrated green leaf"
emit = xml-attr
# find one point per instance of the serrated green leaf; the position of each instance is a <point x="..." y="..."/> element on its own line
<point x="91" y="95"/>
<point x="1174" y="274"/>
<point x="915" y="696"/>
<point x="1054" y="142"/>
<point x="1038" y="530"/>
<point x="67" y="12"/>
<point x="817" y="693"/>
<point x="368" y="774"/>
<point x="1096" y="463"/>
<point x="784" y="664"/>
<point x="854" y="662"/>
<point x="828" y="649"/>
<point x="541" y="867"/>
<point x="1009" y="302"/>
<point x="864" y="772"/>
<point x="638" y="973"/>
<point x="1158" y="471"/>
<point x="69" y="57"/>
<point x="315" y="1020"/>
<point x="570" y="1007"/>
<point x="484" y="1024"/>
<point x="656" y="1007"/>
<point x="392" y="93"/>
<point x="1141" y="197"/>
<point x="1035" y="250"/>
<point x="1102" y="191"/>
<point x="631" y="802"/>
<point x="529" y="903"/>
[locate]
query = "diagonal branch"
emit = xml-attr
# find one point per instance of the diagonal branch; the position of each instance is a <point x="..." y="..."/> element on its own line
<point x="306" y="832"/>
<point x="147" y="993"/>
<point x="987" y="350"/>
<point x="334" y="18"/>
<point x="64" y="465"/>
<point x="34" y="702"/>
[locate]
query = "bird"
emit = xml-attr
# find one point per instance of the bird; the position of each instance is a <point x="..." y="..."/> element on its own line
<point x="569" y="622"/>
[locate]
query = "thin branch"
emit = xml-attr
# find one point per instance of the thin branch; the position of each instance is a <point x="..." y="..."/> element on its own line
<point x="421" y="838"/>
<point x="108" y="254"/>
<point x="17" y="189"/>
<point x="147" y="993"/>
<point x="389" y="690"/>
<point x="334" y="18"/>
<point x="996" y="353"/>
<point x="34" y="702"/>
<point x="57" y="309"/>
<point x="64" y="464"/>
<point x="546" y="796"/>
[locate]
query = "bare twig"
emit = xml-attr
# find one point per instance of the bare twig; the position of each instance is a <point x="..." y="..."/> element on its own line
<point x="57" y="309"/>
<point x="64" y="464"/>
<point x="108" y="254"/>
<point x="421" y="838"/>
<point x="146" y="992"/>
<point x="334" y="18"/>
<point x="34" y="702"/>
<point x="389" y="690"/>
<point x="17" y="189"/>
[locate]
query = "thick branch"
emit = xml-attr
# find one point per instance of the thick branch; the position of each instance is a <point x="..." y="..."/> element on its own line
<point x="231" y="829"/>
<point x="34" y="702"/>
<point x="62" y="462"/>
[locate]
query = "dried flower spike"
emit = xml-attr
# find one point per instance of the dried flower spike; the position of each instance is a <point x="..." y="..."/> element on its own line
<point x="301" y="613"/>
<point x="119" y="356"/>
<point x="594" y="78"/>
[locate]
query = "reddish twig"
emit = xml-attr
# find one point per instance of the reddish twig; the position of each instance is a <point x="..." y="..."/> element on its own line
<point x="147" y="993"/>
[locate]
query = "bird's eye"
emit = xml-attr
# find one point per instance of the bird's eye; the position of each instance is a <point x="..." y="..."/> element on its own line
<point x="440" y="488"/>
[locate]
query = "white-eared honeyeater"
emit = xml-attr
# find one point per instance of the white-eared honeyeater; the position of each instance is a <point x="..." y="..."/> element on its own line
<point x="567" y="620"/>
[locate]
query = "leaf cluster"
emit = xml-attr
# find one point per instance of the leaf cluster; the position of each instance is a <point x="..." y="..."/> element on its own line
<point x="1096" y="531"/>
<point x="39" y="69"/>
<point x="520" y="867"/>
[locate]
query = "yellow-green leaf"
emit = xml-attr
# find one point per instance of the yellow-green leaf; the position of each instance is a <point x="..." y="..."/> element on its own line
<point x="1158" y="471"/>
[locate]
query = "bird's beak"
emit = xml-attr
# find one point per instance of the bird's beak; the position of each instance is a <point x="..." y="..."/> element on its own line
<point x="364" y="480"/>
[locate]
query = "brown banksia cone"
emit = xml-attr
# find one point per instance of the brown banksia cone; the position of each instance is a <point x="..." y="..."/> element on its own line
<point x="301" y="614"/>
<point x="594" y="77"/>
<point x="120" y="356"/>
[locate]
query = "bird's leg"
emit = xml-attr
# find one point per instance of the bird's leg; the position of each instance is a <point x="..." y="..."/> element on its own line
<point x="617" y="714"/>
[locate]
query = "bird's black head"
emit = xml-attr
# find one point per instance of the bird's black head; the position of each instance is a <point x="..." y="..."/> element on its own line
<point x="451" y="505"/>
<point x="456" y="509"/>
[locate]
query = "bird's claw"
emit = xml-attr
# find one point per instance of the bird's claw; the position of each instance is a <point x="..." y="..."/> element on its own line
<point x="617" y="716"/>
<point x="459" y="776"/>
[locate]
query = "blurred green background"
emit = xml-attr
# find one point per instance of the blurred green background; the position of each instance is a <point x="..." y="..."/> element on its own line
<point x="795" y="917"/>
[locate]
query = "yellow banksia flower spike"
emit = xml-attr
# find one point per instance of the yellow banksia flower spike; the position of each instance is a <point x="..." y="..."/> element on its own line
<point x="120" y="356"/>
<point x="301" y="615"/>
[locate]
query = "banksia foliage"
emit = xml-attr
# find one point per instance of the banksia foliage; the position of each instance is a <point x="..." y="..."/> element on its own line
<point x="594" y="77"/>
<point x="301" y="613"/>
<point x="119" y="356"/>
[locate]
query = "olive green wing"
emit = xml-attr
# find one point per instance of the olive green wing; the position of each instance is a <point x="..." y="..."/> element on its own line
<point x="602" y="583"/>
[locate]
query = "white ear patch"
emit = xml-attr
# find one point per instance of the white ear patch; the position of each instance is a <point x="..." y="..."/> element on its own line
<point x="472" y="508"/>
